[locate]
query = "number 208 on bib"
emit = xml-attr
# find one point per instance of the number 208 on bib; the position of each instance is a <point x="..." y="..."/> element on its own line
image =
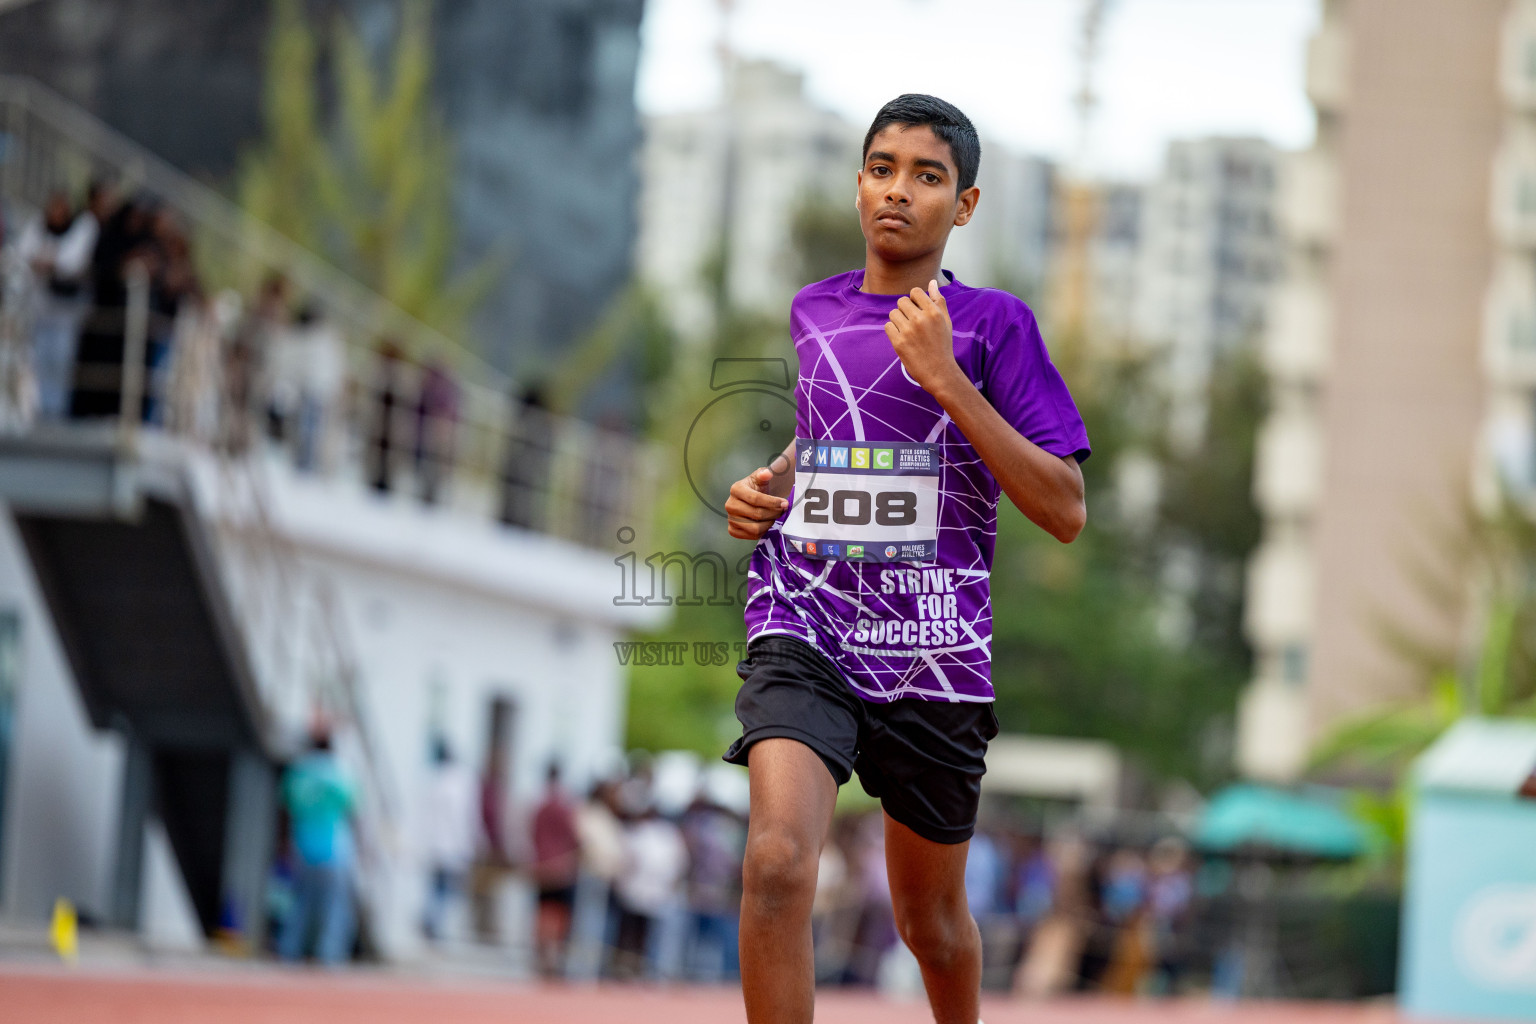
<point x="865" y="501"/>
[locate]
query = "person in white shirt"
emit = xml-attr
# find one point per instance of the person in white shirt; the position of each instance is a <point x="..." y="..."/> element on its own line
<point x="56" y="248"/>
<point x="602" y="861"/>
<point x="650" y="888"/>
<point x="450" y="830"/>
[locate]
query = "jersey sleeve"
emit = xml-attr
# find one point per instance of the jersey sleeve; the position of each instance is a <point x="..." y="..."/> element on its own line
<point x="1026" y="389"/>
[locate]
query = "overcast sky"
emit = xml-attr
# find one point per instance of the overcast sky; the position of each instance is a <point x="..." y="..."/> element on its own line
<point x="1169" y="69"/>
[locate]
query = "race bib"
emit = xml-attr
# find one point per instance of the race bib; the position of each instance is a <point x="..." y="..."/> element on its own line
<point x="865" y="501"/>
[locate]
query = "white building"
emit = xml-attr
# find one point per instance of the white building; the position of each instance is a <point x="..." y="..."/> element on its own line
<point x="1207" y="256"/>
<point x="1008" y="243"/>
<point x="459" y="628"/>
<point x="736" y="175"/>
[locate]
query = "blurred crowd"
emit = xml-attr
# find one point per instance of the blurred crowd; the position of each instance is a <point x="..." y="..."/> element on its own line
<point x="103" y="308"/>
<point x="1056" y="915"/>
<point x="623" y="890"/>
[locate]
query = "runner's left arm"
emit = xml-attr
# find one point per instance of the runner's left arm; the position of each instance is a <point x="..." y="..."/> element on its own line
<point x="1048" y="489"/>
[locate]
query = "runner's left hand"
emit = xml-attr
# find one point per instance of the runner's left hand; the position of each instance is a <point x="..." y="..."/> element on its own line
<point x="923" y="337"/>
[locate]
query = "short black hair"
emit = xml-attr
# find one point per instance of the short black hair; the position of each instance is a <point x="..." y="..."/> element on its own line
<point x="914" y="110"/>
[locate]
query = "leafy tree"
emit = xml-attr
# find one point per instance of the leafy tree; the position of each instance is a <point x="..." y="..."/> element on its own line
<point x="1495" y="558"/>
<point x="369" y="191"/>
<point x="827" y="239"/>
<point x="1078" y="646"/>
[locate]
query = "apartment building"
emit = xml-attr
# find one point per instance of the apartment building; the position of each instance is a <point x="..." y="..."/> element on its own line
<point x="734" y="176"/>
<point x="1205" y="260"/>
<point x="1380" y="353"/>
<point x="1509" y="325"/>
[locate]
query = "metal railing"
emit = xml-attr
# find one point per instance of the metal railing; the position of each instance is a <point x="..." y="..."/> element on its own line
<point x="508" y="461"/>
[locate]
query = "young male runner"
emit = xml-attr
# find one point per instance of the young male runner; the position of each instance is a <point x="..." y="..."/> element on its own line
<point x="869" y="615"/>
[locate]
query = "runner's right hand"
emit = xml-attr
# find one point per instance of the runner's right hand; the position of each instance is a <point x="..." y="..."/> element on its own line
<point x="750" y="510"/>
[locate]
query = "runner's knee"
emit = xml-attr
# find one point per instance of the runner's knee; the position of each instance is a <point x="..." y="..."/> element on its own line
<point x="937" y="936"/>
<point x="780" y="865"/>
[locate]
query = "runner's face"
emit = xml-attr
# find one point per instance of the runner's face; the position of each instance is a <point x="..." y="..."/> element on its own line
<point x="907" y="198"/>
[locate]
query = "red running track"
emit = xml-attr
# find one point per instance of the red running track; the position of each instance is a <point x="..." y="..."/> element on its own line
<point x="295" y="997"/>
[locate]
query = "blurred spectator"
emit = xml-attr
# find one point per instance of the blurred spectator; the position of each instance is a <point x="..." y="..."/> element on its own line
<point x="875" y="932"/>
<point x="99" y="354"/>
<point x="649" y="890"/>
<point x="830" y="901"/>
<point x="1124" y="906"/>
<point x="983" y="874"/>
<point x="57" y="248"/>
<point x="437" y="414"/>
<point x="305" y="384"/>
<point x="525" y="471"/>
<point x="1035" y="887"/>
<point x="450" y="828"/>
<point x="173" y="286"/>
<point x="320" y="800"/>
<point x="1051" y="963"/>
<point x="387" y="433"/>
<point x="556" y="860"/>
<point x="1170" y="896"/>
<point x="195" y="403"/>
<point x="1124" y="883"/>
<point x="495" y="859"/>
<point x="246" y="361"/>
<point x="601" y="838"/>
<point x="715" y="840"/>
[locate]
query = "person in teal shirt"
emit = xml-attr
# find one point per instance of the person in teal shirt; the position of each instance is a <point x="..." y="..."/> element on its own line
<point x="320" y="800"/>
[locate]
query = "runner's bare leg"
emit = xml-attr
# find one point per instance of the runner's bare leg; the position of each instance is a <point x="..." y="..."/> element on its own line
<point x="928" y="896"/>
<point x="793" y="795"/>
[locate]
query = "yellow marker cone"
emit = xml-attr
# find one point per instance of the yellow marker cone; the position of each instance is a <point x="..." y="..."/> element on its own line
<point x="65" y="930"/>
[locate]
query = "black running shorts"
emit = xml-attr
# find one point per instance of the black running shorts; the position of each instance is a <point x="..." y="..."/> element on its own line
<point x="922" y="759"/>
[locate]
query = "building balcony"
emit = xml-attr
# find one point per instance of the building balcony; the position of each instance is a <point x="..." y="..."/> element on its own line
<point x="1299" y="339"/>
<point x="1513" y="196"/>
<point x="1328" y="67"/>
<point x="1509" y="324"/>
<point x="1280" y="594"/>
<point x="1517" y="56"/>
<point x="1505" y="466"/>
<point x="1288" y="464"/>
<point x="1272" y="738"/>
<point x="1308" y="203"/>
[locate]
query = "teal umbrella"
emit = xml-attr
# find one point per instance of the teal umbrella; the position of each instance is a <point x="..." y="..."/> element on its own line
<point x="1258" y="819"/>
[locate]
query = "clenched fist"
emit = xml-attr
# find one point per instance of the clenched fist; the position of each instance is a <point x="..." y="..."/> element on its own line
<point x="758" y="499"/>
<point x="923" y="337"/>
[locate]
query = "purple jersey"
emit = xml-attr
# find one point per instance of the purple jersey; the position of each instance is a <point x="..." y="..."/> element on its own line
<point x="919" y="628"/>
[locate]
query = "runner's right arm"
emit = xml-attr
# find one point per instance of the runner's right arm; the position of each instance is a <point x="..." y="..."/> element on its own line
<point x="759" y="498"/>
